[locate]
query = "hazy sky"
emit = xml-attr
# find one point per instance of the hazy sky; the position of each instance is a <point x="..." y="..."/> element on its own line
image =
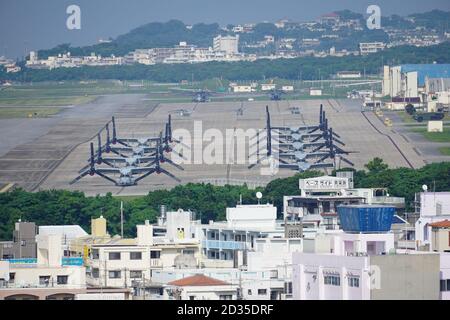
<point x="38" y="24"/>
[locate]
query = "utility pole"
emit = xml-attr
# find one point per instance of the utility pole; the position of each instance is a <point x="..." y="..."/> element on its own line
<point x="143" y="285"/>
<point x="121" y="219"/>
<point x="106" y="274"/>
<point x="125" y="278"/>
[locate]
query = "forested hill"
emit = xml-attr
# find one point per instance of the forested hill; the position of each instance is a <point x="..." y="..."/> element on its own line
<point x="169" y="34"/>
<point x="151" y="35"/>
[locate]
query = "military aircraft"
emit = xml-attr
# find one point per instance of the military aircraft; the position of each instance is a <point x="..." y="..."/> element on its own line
<point x="127" y="174"/>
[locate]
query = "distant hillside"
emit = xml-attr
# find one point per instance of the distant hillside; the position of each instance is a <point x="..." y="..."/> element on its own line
<point x="169" y="34"/>
<point x="151" y="35"/>
<point x="436" y="19"/>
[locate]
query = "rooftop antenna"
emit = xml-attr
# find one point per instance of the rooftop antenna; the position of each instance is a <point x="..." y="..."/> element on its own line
<point x="121" y="219"/>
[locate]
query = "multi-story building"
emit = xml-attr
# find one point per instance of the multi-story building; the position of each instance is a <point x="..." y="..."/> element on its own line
<point x="226" y="243"/>
<point x="251" y="285"/>
<point x="200" y="287"/>
<point x="320" y="197"/>
<point x="366" y="48"/>
<point x="361" y="263"/>
<point x="115" y="262"/>
<point x="49" y="276"/>
<point x="227" y="44"/>
<point x="23" y="244"/>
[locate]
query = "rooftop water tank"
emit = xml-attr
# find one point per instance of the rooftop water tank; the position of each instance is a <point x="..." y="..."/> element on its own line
<point x="366" y="218"/>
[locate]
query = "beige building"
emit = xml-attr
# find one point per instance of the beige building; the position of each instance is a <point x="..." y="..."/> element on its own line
<point x="44" y="279"/>
<point x="440" y="236"/>
<point x="115" y="262"/>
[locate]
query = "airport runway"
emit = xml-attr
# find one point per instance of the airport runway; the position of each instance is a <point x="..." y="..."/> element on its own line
<point x="428" y="149"/>
<point x="364" y="133"/>
<point x="33" y="148"/>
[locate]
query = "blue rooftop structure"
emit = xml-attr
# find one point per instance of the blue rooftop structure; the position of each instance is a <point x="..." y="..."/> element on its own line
<point x="366" y="218"/>
<point x="427" y="70"/>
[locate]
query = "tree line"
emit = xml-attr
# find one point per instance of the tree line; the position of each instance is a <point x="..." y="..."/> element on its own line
<point x="59" y="207"/>
<point x="304" y="68"/>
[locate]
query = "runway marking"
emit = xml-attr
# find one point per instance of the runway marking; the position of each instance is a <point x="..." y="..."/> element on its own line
<point x="390" y="138"/>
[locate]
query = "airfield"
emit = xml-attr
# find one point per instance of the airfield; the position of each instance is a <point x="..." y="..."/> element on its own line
<point x="52" y="158"/>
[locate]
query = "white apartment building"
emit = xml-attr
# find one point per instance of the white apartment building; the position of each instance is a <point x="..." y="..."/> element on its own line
<point x="251" y="285"/>
<point x="445" y="276"/>
<point x="222" y="241"/>
<point x="200" y="287"/>
<point x="434" y="207"/>
<point x="366" y="48"/>
<point x="364" y="267"/>
<point x="227" y="44"/>
<point x="67" y="233"/>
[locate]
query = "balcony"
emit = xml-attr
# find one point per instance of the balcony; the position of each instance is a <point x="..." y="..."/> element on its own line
<point x="224" y="245"/>
<point x="406" y="244"/>
<point x="65" y="261"/>
<point x="156" y="263"/>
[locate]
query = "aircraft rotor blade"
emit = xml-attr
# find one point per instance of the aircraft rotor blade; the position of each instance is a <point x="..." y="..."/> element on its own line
<point x="85" y="173"/>
<point x="167" y="173"/>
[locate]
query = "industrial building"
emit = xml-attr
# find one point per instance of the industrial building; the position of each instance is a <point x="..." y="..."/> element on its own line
<point x="413" y="83"/>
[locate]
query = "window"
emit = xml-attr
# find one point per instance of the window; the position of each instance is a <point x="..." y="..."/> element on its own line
<point x="262" y="292"/>
<point x="44" y="280"/>
<point x="12" y="277"/>
<point x="225" y="297"/>
<point x="334" y="280"/>
<point x="135" y="255"/>
<point x="191" y="297"/>
<point x="249" y="292"/>
<point x="353" y="282"/>
<point x="114" y="256"/>
<point x="62" y="279"/>
<point x="136" y="274"/>
<point x="288" y="287"/>
<point x="189" y="252"/>
<point x="95" y="254"/>
<point x="95" y="273"/>
<point x="443" y="286"/>
<point x="155" y="254"/>
<point x="114" y="274"/>
<point x="448" y="284"/>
